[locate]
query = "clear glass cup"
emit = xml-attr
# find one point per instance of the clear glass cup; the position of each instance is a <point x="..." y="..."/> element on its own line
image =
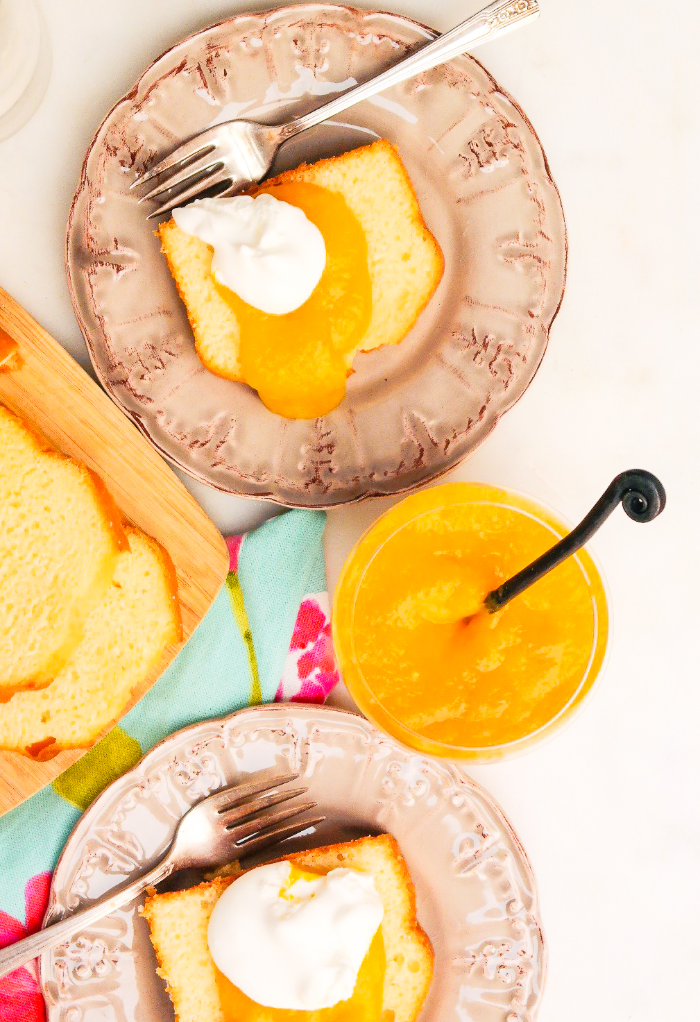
<point x="352" y="578"/>
<point x="25" y="63"/>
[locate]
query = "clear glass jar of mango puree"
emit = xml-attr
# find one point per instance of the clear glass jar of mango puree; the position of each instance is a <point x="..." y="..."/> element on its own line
<point x="425" y="665"/>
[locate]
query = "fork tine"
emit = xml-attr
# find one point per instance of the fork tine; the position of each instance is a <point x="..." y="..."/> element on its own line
<point x="187" y="152"/>
<point x="241" y="811"/>
<point x="242" y="830"/>
<point x="190" y="175"/>
<point x="203" y="184"/>
<point x="273" y="837"/>
<point x="238" y="792"/>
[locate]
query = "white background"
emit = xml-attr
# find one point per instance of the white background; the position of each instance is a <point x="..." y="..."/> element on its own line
<point x="608" y="811"/>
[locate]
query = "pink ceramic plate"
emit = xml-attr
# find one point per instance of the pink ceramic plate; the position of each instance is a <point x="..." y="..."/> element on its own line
<point x="412" y="411"/>
<point x="475" y="889"/>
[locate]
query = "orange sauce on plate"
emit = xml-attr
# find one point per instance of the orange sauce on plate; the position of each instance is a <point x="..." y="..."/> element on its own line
<point x="365" y="1005"/>
<point x="296" y="361"/>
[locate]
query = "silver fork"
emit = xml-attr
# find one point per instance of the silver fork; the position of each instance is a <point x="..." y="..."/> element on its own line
<point x="236" y="153"/>
<point x="224" y="826"/>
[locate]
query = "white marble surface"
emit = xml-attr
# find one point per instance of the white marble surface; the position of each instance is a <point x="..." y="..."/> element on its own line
<point x="608" y="811"/>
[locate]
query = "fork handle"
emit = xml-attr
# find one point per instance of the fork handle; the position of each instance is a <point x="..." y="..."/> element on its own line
<point x="24" y="951"/>
<point x="498" y="17"/>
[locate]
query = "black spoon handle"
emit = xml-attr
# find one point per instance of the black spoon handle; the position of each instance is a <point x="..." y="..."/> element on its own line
<point x="643" y="498"/>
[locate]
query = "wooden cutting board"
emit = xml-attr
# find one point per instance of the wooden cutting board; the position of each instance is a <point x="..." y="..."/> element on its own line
<point x="43" y="384"/>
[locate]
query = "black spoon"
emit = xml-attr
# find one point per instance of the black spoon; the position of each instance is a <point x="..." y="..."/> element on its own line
<point x="643" y="498"/>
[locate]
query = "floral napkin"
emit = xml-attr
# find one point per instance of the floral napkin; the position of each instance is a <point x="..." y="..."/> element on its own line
<point x="266" y="637"/>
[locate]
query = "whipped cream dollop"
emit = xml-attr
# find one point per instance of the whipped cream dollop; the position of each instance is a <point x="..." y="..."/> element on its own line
<point x="265" y="250"/>
<point x="296" y="946"/>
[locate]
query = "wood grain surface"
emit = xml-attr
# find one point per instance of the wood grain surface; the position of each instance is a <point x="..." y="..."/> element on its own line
<point x="57" y="397"/>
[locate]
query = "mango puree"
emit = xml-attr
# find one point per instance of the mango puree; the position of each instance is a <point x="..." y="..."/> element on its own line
<point x="297" y="361"/>
<point x="365" y="1005"/>
<point x="420" y="655"/>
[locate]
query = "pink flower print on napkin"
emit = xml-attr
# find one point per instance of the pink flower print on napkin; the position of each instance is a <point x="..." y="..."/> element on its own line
<point x="310" y="670"/>
<point x="20" y="994"/>
<point x="234" y="544"/>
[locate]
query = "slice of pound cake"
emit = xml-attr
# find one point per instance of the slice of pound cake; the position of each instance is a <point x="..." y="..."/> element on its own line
<point x="179" y="923"/>
<point x="123" y="639"/>
<point x="404" y="260"/>
<point x="60" y="537"/>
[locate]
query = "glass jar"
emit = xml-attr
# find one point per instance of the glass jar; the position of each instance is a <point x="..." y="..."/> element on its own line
<point x="25" y="63"/>
<point x="405" y="650"/>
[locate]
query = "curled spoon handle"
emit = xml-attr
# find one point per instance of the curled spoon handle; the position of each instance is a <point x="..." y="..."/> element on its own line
<point x="643" y="498"/>
<point x="493" y="20"/>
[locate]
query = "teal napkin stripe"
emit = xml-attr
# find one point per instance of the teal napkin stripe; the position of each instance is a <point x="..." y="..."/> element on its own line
<point x="210" y="674"/>
<point x="31" y="838"/>
<point x="236" y="656"/>
<point x="274" y="590"/>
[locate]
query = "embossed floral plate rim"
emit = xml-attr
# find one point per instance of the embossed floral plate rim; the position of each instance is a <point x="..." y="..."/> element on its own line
<point x="410" y="788"/>
<point x="278" y="475"/>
